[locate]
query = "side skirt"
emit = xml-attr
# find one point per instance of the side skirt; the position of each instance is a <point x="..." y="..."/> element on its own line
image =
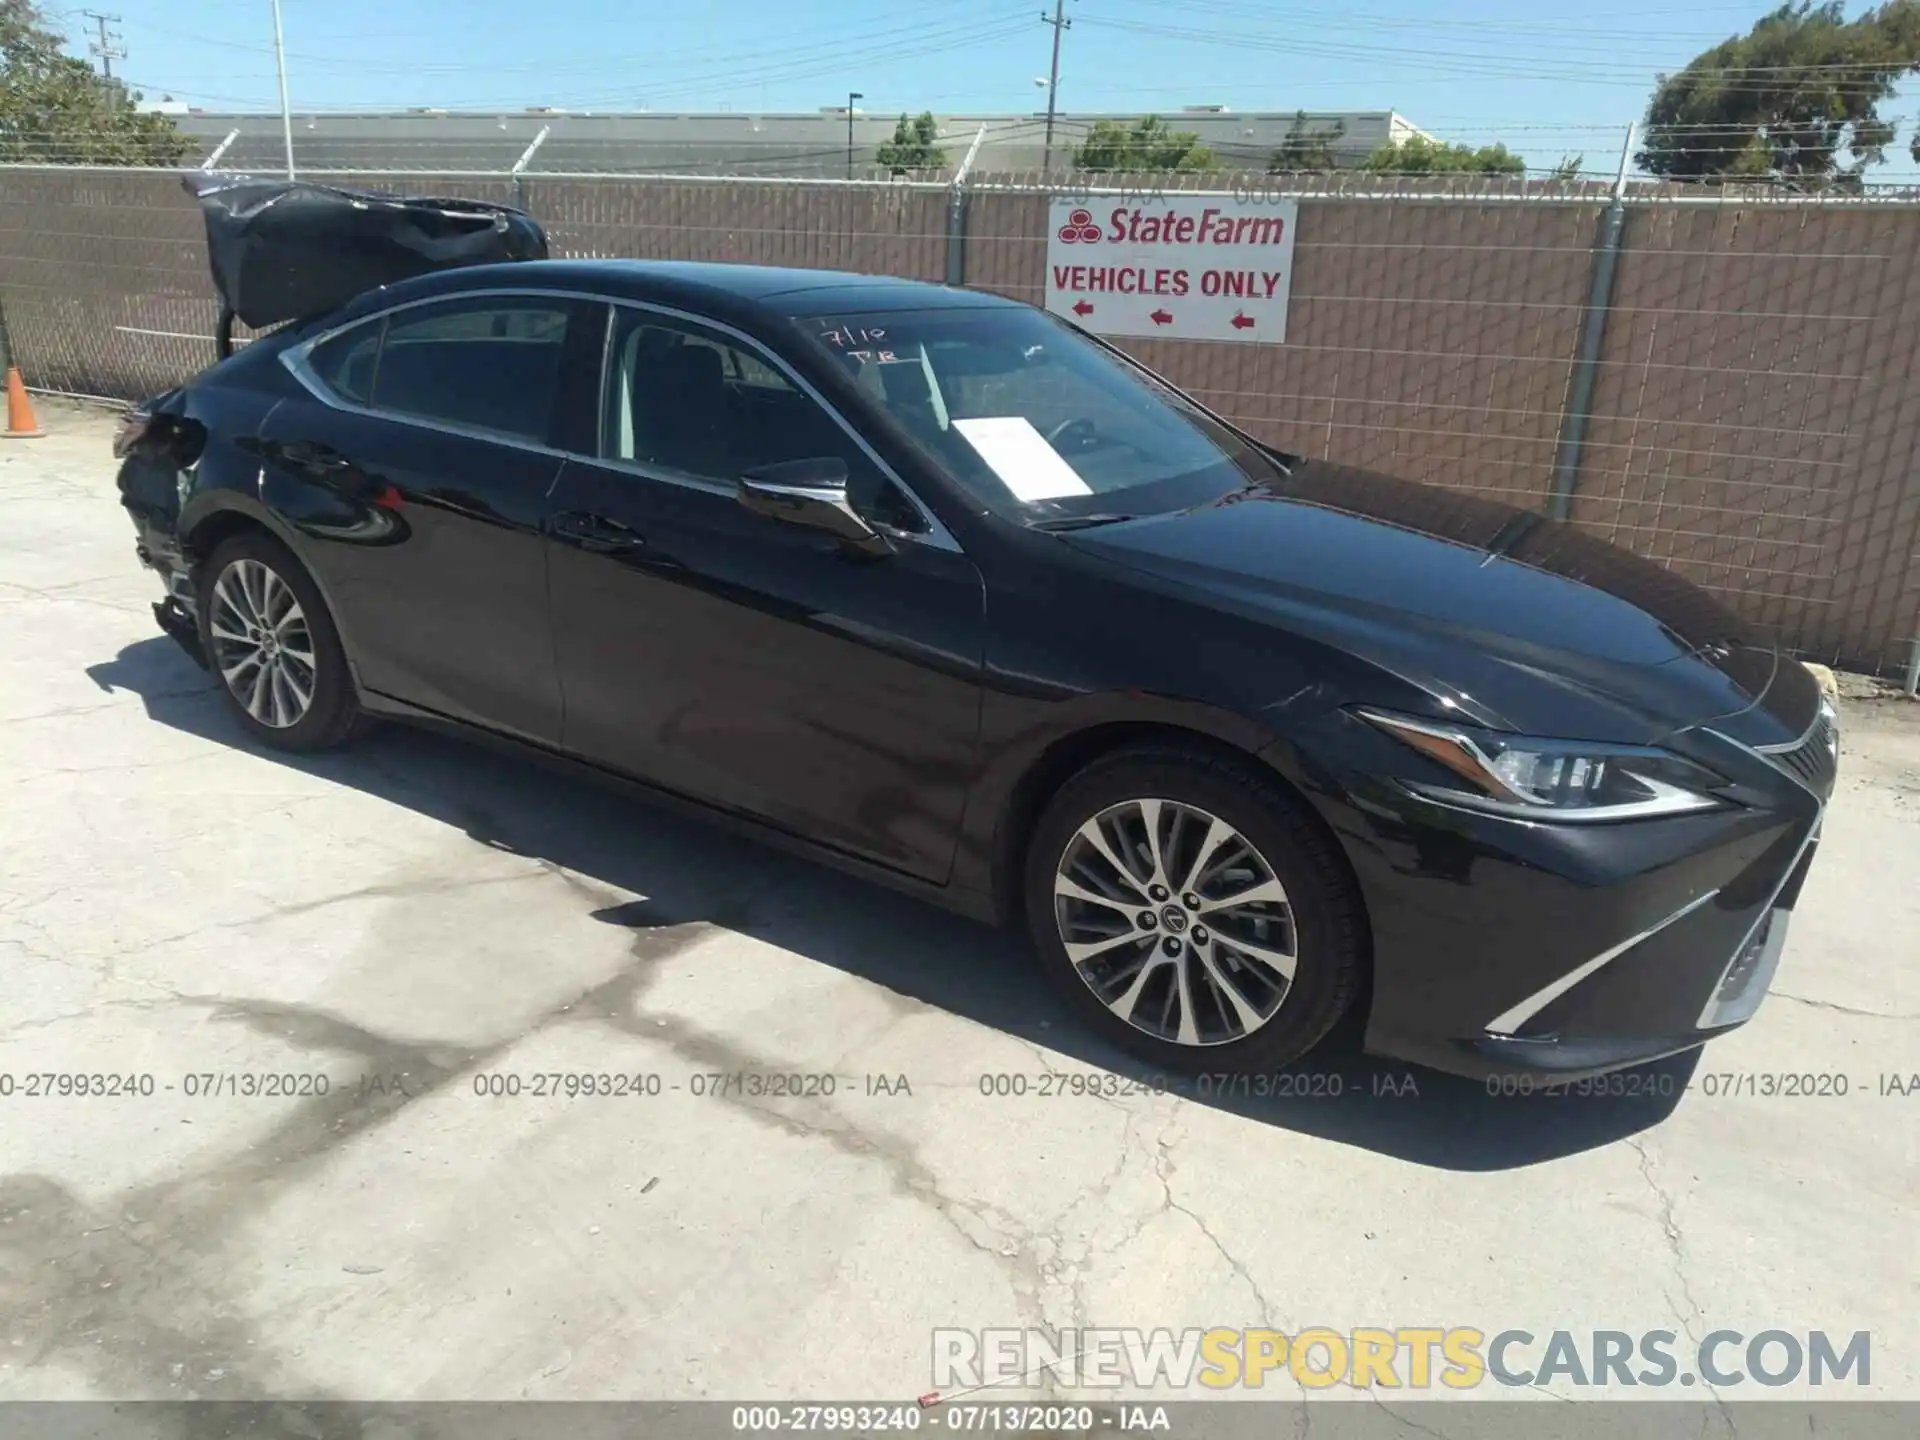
<point x="971" y="904"/>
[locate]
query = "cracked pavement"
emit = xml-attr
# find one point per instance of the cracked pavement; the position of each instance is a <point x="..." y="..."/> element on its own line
<point x="415" y="915"/>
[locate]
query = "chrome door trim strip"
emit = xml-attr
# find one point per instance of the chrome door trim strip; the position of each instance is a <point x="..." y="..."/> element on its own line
<point x="1508" y="1021"/>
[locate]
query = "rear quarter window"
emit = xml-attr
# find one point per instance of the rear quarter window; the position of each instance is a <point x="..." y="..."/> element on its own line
<point x="346" y="363"/>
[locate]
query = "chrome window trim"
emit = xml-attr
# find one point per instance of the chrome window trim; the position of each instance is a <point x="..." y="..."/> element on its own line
<point x="1511" y="1019"/>
<point x="296" y="360"/>
<point x="666" y="475"/>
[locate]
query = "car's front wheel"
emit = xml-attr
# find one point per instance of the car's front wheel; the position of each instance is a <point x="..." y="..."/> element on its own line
<point x="1192" y="910"/>
<point x="272" y="646"/>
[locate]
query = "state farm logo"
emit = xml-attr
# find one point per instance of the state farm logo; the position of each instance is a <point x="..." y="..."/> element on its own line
<point x="1080" y="229"/>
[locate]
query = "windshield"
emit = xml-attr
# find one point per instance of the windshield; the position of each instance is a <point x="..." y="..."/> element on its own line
<point x="1035" y="420"/>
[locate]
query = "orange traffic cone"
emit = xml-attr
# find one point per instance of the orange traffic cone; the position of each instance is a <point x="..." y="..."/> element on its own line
<point x="21" y="424"/>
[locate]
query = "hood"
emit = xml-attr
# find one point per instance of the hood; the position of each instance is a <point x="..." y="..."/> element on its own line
<point x="1419" y="577"/>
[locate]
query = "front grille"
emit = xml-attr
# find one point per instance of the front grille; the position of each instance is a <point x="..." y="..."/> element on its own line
<point x="1815" y="761"/>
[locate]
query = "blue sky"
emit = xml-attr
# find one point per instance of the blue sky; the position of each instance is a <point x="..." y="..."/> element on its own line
<point x="1547" y="77"/>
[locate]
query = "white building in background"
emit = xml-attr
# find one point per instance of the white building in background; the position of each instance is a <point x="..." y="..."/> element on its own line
<point x="727" y="142"/>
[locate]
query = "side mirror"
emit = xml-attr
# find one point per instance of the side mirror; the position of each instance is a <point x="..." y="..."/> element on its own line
<point x="812" y="493"/>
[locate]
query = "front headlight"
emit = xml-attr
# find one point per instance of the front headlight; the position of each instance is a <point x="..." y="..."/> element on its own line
<point x="1553" y="779"/>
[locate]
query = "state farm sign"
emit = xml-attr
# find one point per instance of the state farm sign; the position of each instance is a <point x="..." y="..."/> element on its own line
<point x="1190" y="268"/>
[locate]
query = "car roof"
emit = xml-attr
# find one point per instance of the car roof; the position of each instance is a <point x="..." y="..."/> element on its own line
<point x="766" y="290"/>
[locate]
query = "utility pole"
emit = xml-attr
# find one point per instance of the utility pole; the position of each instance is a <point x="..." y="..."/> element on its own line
<point x="280" y="60"/>
<point x="852" y="95"/>
<point x="1058" y="20"/>
<point x="107" y="48"/>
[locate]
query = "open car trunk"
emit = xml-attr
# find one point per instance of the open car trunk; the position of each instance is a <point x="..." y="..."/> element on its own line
<point x="291" y="250"/>
<point x="285" y="252"/>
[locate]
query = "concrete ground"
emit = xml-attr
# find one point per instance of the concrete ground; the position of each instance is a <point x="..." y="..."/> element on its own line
<point x="415" y="915"/>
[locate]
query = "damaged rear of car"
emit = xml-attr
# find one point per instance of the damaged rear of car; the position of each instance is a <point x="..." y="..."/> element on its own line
<point x="287" y="257"/>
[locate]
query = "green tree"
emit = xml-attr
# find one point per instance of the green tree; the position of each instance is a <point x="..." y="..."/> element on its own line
<point x="55" y="110"/>
<point x="1568" y="169"/>
<point x="1417" y="155"/>
<point x="1147" y="145"/>
<point x="1306" y="150"/>
<point x="912" y="146"/>
<point x="1796" y="99"/>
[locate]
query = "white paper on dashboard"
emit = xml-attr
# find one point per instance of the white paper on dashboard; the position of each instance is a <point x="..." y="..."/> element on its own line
<point x="1020" y="455"/>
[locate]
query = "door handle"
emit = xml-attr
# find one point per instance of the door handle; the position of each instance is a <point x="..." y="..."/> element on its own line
<point x="595" y="532"/>
<point x="310" y="455"/>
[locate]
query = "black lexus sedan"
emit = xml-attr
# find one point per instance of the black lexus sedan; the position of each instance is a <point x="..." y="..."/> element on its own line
<point x="936" y="588"/>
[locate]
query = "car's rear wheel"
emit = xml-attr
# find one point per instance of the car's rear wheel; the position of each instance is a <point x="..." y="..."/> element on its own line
<point x="1193" y="911"/>
<point x="272" y="646"/>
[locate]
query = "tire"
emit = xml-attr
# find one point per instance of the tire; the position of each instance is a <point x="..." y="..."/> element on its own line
<point x="242" y="570"/>
<point x="1319" y="923"/>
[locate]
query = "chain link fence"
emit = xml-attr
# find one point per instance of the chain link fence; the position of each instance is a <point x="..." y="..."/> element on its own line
<point x="1751" y="417"/>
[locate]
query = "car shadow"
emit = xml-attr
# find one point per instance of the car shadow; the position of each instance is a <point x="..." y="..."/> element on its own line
<point x="689" y="871"/>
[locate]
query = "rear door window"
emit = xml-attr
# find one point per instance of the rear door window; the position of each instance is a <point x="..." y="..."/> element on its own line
<point x="490" y="364"/>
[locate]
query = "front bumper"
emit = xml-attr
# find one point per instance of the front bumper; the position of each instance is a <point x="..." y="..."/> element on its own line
<point x="1563" y="1048"/>
<point x="1504" y="946"/>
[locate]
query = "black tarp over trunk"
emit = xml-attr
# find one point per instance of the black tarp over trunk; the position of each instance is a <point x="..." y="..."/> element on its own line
<point x="287" y="250"/>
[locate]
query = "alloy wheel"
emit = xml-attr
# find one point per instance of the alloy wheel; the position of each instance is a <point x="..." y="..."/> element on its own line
<point x="1175" y="921"/>
<point x="261" y="644"/>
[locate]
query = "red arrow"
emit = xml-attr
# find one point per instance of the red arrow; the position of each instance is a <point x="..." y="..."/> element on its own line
<point x="1240" y="321"/>
<point x="1081" y="307"/>
<point x="1161" y="317"/>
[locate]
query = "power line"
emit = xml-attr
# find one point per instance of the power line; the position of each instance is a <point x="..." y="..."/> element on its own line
<point x="914" y="41"/>
<point x="1481" y="63"/>
<point x="1294" y="17"/>
<point x="788" y="47"/>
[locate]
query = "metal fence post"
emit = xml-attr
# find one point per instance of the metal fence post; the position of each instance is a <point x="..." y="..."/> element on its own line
<point x="957" y="237"/>
<point x="1593" y="334"/>
<point x="957" y="200"/>
<point x="526" y="157"/>
<point x="213" y="157"/>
